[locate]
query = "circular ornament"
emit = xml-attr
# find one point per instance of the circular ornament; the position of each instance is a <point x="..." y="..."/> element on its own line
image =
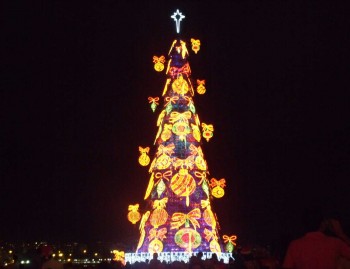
<point x="207" y="135"/>
<point x="201" y="164"/>
<point x="183" y="183"/>
<point x="214" y="246"/>
<point x="144" y="159"/>
<point x="163" y="161"/>
<point x="159" y="66"/>
<point x="134" y="216"/>
<point x="180" y="85"/>
<point x="159" y="217"/>
<point x="187" y="238"/>
<point x="201" y="89"/>
<point x="217" y="192"/>
<point x="155" y="246"/>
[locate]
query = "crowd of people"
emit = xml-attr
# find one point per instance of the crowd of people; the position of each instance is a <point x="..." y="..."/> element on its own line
<point x="324" y="246"/>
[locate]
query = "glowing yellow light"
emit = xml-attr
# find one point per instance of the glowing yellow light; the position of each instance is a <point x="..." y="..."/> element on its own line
<point x="180" y="85"/>
<point x="217" y="186"/>
<point x="95" y="254"/>
<point x="60" y="254"/>
<point x="201" y="86"/>
<point x="10" y="251"/>
<point x="158" y="63"/>
<point x="196" y="45"/>
<point x="53" y="255"/>
<point x="134" y="216"/>
<point x="144" y="159"/>
<point x="84" y="251"/>
<point x="208" y="130"/>
<point x="119" y="256"/>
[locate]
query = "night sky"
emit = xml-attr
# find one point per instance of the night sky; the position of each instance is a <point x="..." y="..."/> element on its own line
<point x="74" y="109"/>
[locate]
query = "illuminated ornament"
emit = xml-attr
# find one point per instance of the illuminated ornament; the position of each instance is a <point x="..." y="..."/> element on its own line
<point x="159" y="214"/>
<point x="201" y="86"/>
<point x="168" y="149"/>
<point x="154" y="102"/>
<point x="176" y="116"/>
<point x="143" y="220"/>
<point x="188" y="163"/>
<point x="119" y="256"/>
<point x="208" y="214"/>
<point x="180" y="120"/>
<point x="161" y="117"/>
<point x="217" y="186"/>
<point x="201" y="176"/>
<point x="158" y="63"/>
<point x="230" y="242"/>
<point x="196" y="150"/>
<point x="208" y="130"/>
<point x="134" y="215"/>
<point x="163" y="162"/>
<point x="150" y="186"/>
<point x="196" y="132"/>
<point x="176" y="71"/>
<point x="166" y="134"/>
<point x="160" y="188"/>
<point x="196" y="45"/>
<point x="169" y="108"/>
<point x="200" y="163"/>
<point x="169" y="103"/>
<point x="183" y="184"/>
<point x="177" y="17"/>
<point x="210" y="234"/>
<point x="192" y="108"/>
<point x="159" y="234"/>
<point x="142" y="229"/>
<point x="155" y="246"/>
<point x="178" y="219"/>
<point x="144" y="158"/>
<point x="188" y="239"/>
<point x="181" y="129"/>
<point x="214" y="246"/>
<point x="180" y="85"/>
<point x="205" y="187"/>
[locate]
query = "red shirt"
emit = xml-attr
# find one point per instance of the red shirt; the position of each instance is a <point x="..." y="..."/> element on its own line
<point x="315" y="250"/>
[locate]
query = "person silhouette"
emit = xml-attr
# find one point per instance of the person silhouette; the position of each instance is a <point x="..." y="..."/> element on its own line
<point x="316" y="250"/>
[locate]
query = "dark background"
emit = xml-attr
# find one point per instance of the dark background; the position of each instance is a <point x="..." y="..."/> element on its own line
<point x="74" y="109"/>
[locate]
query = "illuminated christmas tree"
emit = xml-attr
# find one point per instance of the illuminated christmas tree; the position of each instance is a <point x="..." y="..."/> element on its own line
<point x="178" y="217"/>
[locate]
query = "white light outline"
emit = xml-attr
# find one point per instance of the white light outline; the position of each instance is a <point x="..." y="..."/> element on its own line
<point x="177" y="19"/>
